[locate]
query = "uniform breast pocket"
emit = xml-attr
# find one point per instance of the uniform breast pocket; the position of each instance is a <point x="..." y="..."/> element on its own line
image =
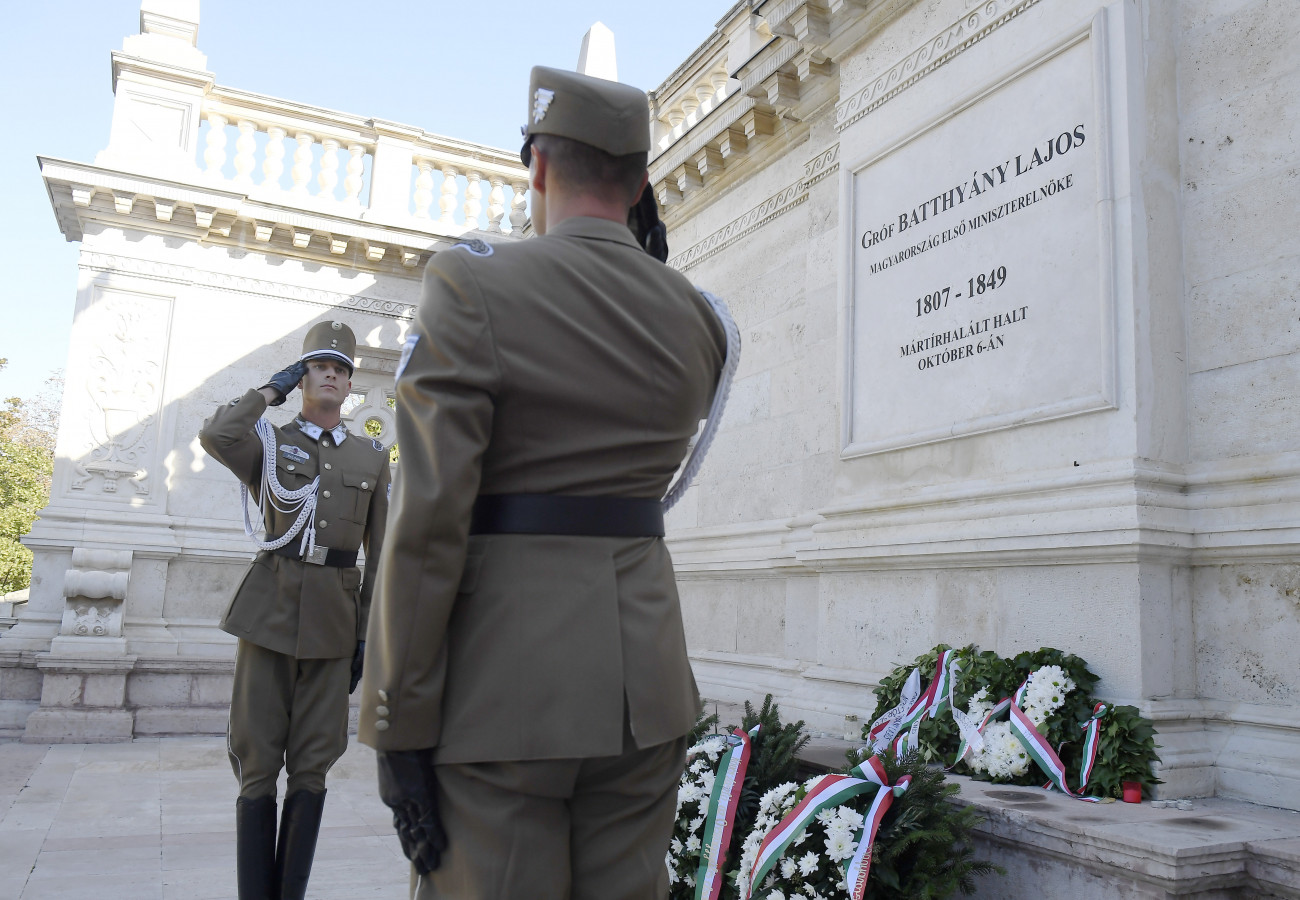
<point x="363" y="489"/>
<point x="291" y="475"/>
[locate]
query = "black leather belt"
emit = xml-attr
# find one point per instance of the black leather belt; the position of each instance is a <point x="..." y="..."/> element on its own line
<point x="559" y="514"/>
<point x="321" y="556"/>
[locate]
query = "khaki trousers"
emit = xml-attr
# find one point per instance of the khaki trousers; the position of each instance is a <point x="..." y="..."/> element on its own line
<point x="286" y="713"/>
<point x="586" y="829"/>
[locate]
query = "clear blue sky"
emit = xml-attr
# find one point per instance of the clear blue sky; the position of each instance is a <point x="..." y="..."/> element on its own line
<point x="459" y="70"/>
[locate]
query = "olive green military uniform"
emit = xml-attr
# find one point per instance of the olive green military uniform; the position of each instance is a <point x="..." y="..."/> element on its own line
<point x="549" y="672"/>
<point x="314" y="614"/>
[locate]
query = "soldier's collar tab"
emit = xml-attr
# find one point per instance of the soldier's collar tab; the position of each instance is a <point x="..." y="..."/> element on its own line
<point x="314" y="431"/>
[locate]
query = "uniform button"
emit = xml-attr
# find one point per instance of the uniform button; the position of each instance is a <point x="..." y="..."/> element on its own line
<point x="328" y="466"/>
<point x="321" y="524"/>
<point x="325" y="494"/>
<point x="383" y="695"/>
<point x="381" y="710"/>
<point x="381" y="725"/>
<point x="365" y="486"/>
<point x="325" y="443"/>
<point x="290" y="467"/>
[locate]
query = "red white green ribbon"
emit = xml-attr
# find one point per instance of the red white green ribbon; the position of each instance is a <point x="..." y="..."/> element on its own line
<point x="721" y="815"/>
<point x="860" y="865"/>
<point x="827" y="791"/>
<point x="886" y="728"/>
<point x="935" y="699"/>
<point x="969" y="742"/>
<point x="1091" y="730"/>
<point x="1039" y="750"/>
<point x="898" y="729"/>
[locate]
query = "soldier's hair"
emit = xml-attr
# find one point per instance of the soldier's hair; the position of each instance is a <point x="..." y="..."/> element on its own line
<point x="589" y="169"/>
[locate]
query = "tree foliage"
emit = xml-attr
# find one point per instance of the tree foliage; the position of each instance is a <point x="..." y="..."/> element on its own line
<point x="27" y="434"/>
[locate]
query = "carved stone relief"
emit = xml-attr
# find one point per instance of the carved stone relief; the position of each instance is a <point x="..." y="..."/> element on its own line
<point x="123" y="378"/>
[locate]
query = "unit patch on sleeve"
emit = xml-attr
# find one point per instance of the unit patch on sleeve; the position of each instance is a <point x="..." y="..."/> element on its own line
<point x="475" y="246"/>
<point x="407" y="349"/>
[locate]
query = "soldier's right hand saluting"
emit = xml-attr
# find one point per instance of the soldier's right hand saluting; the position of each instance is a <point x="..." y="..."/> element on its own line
<point x="284" y="381"/>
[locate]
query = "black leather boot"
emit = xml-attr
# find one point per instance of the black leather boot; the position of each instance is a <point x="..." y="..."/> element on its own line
<point x="255" y="847"/>
<point x="299" y="826"/>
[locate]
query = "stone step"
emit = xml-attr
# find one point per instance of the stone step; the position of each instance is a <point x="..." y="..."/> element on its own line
<point x="13" y="717"/>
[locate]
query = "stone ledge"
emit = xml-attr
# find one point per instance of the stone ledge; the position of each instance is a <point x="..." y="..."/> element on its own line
<point x="78" y="726"/>
<point x="1052" y="846"/>
<point x="167" y="721"/>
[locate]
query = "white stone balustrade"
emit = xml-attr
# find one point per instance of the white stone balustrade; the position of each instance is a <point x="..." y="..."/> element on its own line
<point x="331" y="166"/>
<point x="458" y="181"/>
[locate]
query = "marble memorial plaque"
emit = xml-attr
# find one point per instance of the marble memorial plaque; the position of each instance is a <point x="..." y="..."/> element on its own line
<point x="978" y="273"/>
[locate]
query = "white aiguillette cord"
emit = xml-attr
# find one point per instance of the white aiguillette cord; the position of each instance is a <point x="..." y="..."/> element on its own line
<point x="696" y="458"/>
<point x="282" y="500"/>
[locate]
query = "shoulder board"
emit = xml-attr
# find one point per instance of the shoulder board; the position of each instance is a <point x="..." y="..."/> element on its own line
<point x="378" y="446"/>
<point x="474" y="246"/>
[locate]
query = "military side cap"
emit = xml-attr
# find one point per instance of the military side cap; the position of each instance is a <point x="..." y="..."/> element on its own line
<point x="330" y="340"/>
<point x="608" y="115"/>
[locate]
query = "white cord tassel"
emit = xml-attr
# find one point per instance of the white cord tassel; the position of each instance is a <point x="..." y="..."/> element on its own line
<point x="696" y="459"/>
<point x="281" y="499"/>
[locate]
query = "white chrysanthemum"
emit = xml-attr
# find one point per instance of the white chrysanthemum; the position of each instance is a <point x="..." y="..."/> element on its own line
<point x="840" y="847"/>
<point x="696" y="823"/>
<point x="826" y="816"/>
<point x="706" y="782"/>
<point x="808" y="864"/>
<point x="851" y="817"/>
<point x="692" y="843"/>
<point x="776" y="895"/>
<point x="788" y="867"/>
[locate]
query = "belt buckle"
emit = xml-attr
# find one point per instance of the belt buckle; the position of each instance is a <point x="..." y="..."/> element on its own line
<point x="316" y="556"/>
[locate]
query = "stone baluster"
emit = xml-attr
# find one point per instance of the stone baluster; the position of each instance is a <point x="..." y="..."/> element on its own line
<point x="423" y="189"/>
<point x="328" y="179"/>
<point x="273" y="165"/>
<point x="214" y="153"/>
<point x="473" y="198"/>
<point x="719" y="83"/>
<point x="447" y="203"/>
<point x="496" y="203"/>
<point x="356" y="166"/>
<point x="690" y="105"/>
<point x="301" y="171"/>
<point x="245" y="147"/>
<point x="704" y="93"/>
<point x="518" y="205"/>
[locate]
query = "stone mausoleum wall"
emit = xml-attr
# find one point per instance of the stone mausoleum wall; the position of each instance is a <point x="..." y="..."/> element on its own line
<point x="1095" y="452"/>
<point x="216" y="227"/>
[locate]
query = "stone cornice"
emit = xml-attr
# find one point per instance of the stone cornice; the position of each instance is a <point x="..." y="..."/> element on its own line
<point x="782" y="202"/>
<point x="817" y="168"/>
<point x="116" y="263"/>
<point x="972" y="25"/>
<point x="327" y="233"/>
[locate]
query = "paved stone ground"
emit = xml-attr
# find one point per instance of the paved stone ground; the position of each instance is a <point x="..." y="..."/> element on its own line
<point x="155" y="818"/>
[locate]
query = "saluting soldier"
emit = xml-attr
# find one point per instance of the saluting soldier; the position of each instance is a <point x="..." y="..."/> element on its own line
<point x="527" y="685"/>
<point x="301" y="611"/>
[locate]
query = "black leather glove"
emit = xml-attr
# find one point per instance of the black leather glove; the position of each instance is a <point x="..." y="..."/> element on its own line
<point x="408" y="787"/>
<point x="650" y="233"/>
<point x="358" y="659"/>
<point x="285" y="380"/>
